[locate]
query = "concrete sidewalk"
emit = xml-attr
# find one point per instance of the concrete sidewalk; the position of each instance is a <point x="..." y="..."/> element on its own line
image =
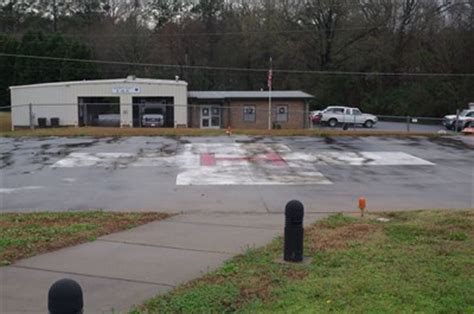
<point x="126" y="268"/>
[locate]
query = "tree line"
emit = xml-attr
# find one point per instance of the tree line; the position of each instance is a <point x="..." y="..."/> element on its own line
<point x="320" y="38"/>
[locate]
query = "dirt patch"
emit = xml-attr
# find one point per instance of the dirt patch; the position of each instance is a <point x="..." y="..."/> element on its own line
<point x="256" y="287"/>
<point x="323" y="238"/>
<point x="260" y="285"/>
<point x="296" y="274"/>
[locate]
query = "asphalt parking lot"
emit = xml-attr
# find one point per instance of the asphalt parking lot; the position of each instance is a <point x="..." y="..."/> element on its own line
<point x="236" y="174"/>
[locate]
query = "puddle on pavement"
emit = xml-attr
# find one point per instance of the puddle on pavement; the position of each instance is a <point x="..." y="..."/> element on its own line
<point x="113" y="140"/>
<point x="6" y="160"/>
<point x="80" y="144"/>
<point x="446" y="142"/>
<point x="329" y="140"/>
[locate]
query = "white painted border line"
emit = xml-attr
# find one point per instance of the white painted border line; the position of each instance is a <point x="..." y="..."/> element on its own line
<point x="18" y="189"/>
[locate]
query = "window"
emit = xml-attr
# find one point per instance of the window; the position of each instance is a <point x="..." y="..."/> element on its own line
<point x="335" y="110"/>
<point x="216" y="111"/>
<point x="153" y="111"/>
<point x="282" y="114"/>
<point x="249" y="113"/>
<point x="356" y="112"/>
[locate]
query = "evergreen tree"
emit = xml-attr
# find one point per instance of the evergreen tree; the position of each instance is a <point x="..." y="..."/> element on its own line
<point x="7" y="68"/>
<point x="30" y="71"/>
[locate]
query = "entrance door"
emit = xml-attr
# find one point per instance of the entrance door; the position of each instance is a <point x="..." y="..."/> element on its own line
<point x="210" y="117"/>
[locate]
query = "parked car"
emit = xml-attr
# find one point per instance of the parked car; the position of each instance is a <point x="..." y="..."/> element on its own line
<point x="315" y="116"/>
<point x="465" y="120"/>
<point x="335" y="115"/>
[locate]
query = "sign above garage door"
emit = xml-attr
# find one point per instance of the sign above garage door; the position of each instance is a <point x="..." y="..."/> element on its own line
<point x="126" y="90"/>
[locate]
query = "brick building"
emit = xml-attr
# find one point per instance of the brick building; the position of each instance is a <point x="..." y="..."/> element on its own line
<point x="247" y="109"/>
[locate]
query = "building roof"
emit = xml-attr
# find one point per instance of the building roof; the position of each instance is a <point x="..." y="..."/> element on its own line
<point x="209" y="95"/>
<point x="129" y="79"/>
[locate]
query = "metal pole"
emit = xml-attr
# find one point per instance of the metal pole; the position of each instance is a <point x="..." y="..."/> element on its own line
<point x="306" y="123"/>
<point x="32" y="122"/>
<point x="408" y="123"/>
<point x="140" y="112"/>
<point x="270" y="83"/>
<point x="456" y="121"/>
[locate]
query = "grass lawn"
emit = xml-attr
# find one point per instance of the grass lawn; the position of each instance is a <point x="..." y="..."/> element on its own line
<point x="5" y="122"/>
<point x="27" y="234"/>
<point x="116" y="132"/>
<point x="417" y="262"/>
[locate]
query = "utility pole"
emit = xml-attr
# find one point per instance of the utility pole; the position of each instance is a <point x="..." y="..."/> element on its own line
<point x="269" y="83"/>
<point x="55" y="16"/>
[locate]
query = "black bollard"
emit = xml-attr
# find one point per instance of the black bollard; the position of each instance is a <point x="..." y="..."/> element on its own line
<point x="65" y="297"/>
<point x="293" y="242"/>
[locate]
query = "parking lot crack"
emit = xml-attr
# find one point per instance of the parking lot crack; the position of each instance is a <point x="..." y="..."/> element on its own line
<point x="166" y="247"/>
<point x="94" y="276"/>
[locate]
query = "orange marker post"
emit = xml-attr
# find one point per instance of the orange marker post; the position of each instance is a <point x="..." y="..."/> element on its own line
<point x="362" y="205"/>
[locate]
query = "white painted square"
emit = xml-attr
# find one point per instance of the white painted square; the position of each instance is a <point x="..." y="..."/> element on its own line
<point x="230" y="170"/>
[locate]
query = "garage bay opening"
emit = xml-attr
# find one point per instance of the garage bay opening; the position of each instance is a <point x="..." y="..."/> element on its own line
<point x="153" y="112"/>
<point x="99" y="111"/>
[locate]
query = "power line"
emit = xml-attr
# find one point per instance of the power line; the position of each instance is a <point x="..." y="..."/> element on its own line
<point x="198" y="34"/>
<point x="258" y="70"/>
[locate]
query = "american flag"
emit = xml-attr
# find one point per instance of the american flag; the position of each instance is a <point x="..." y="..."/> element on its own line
<point x="270" y="77"/>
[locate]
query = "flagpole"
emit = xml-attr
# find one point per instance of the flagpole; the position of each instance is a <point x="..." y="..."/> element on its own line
<point x="270" y="85"/>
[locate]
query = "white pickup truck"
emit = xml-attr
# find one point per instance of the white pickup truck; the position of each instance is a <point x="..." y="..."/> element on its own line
<point x="465" y="119"/>
<point x="335" y="115"/>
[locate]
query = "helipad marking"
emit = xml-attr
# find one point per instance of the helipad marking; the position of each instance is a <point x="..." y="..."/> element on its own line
<point x="359" y="158"/>
<point x="243" y="164"/>
<point x="91" y="159"/>
<point x="267" y="164"/>
<point x="208" y="159"/>
<point x="75" y="160"/>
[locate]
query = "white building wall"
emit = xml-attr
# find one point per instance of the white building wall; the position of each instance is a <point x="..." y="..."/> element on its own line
<point x="61" y="99"/>
<point x="39" y="97"/>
